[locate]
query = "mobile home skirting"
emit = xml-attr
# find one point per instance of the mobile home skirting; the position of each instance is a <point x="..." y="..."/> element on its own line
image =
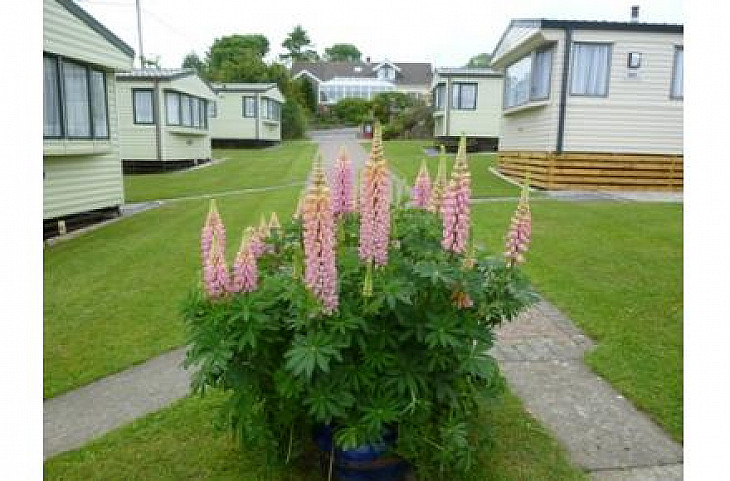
<point x="594" y="170"/>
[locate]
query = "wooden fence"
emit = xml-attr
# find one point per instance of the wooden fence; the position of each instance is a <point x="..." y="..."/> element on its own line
<point x="594" y="171"/>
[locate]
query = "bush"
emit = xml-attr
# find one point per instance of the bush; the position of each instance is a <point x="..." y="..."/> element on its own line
<point x="293" y="120"/>
<point x="352" y="111"/>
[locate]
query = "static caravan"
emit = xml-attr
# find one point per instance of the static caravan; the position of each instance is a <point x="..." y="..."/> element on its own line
<point x="82" y="173"/>
<point x="592" y="105"/>
<point x="163" y="119"/>
<point x="246" y="114"/>
<point x="473" y="106"/>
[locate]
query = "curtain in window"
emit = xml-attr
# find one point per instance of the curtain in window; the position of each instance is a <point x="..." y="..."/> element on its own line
<point x="517" y="81"/>
<point x="185" y="103"/>
<point x="51" y="100"/>
<point x="540" y="88"/>
<point x="195" y="111"/>
<point x="143" y="110"/>
<point x="212" y="109"/>
<point x="172" y="103"/>
<point x="590" y="69"/>
<point x="76" y="95"/>
<point x="468" y="96"/>
<point x="678" y="80"/>
<point x="203" y="113"/>
<point x="249" y="107"/>
<point x="98" y="104"/>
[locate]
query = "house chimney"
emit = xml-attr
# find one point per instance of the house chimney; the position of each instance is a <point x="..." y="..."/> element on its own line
<point x="635" y="13"/>
<point x="367" y="59"/>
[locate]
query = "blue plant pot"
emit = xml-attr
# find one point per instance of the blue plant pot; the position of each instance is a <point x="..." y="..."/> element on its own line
<point x="369" y="462"/>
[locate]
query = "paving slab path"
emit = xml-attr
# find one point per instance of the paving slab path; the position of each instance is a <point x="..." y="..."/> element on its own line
<point x="540" y="353"/>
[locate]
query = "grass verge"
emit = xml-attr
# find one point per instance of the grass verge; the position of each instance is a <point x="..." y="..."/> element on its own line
<point x="111" y="296"/>
<point x="242" y="169"/>
<point x="180" y="443"/>
<point x="616" y="270"/>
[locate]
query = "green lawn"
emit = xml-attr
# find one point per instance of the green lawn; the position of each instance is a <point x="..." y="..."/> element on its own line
<point x="111" y="296"/>
<point x="616" y="270"/>
<point x="179" y="443"/>
<point x="243" y="169"/>
<point x="405" y="158"/>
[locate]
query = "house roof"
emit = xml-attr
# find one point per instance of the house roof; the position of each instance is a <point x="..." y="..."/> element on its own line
<point x="94" y="24"/>
<point x="156" y="73"/>
<point x="409" y="73"/>
<point x="468" y="72"/>
<point x="533" y="25"/>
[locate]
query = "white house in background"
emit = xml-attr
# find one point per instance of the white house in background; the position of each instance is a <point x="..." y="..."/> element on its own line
<point x="82" y="172"/>
<point x="163" y="119"/>
<point x="245" y="114"/>
<point x="473" y="106"/>
<point x="592" y="105"/>
<point x="334" y="81"/>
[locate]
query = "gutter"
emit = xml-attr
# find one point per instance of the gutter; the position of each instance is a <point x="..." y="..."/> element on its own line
<point x="564" y="89"/>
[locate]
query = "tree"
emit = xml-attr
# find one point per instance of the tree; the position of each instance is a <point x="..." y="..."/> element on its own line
<point x="296" y="44"/>
<point x="229" y="48"/>
<point x="480" y="60"/>
<point x="194" y="62"/>
<point x="342" y="52"/>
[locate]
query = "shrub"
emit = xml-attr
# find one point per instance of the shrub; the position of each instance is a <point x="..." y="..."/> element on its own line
<point x="293" y="120"/>
<point x="352" y="110"/>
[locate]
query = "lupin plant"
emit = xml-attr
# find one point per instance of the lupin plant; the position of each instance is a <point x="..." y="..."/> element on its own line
<point x="455" y="210"/>
<point x="421" y="192"/>
<point x="518" y="235"/>
<point x="439" y="184"/>
<point x="343" y="200"/>
<point x="388" y="324"/>
<point x="375" y="204"/>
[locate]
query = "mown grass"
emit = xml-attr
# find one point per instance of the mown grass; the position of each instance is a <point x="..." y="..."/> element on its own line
<point x="405" y="158"/>
<point x="111" y="296"/>
<point x="616" y="270"/>
<point x="243" y="169"/>
<point x="179" y="443"/>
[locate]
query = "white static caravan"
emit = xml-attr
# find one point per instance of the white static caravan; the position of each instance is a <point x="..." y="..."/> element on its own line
<point x="473" y="106"/>
<point x="82" y="172"/>
<point x="246" y="114"/>
<point x="163" y="119"/>
<point x="604" y="113"/>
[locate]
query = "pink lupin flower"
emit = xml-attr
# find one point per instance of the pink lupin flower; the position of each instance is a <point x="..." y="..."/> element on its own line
<point x="245" y="271"/>
<point x="213" y="230"/>
<point x="215" y="273"/>
<point x="438" y="190"/>
<point x="455" y="209"/>
<point x="320" y="270"/>
<point x="421" y="192"/>
<point x="342" y="191"/>
<point x="518" y="235"/>
<point x="375" y="205"/>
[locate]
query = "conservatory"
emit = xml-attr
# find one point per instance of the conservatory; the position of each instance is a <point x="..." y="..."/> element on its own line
<point x="332" y="91"/>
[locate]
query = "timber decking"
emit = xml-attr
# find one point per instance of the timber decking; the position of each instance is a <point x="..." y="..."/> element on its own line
<point x="594" y="171"/>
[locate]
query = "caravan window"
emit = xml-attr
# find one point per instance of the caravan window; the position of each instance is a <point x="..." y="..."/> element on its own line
<point x="143" y="106"/>
<point x="678" y="74"/>
<point x="590" y="69"/>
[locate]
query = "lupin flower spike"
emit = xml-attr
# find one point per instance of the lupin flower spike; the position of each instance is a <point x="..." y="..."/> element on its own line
<point x="215" y="274"/>
<point x="455" y="209"/>
<point x="320" y="269"/>
<point x="375" y="204"/>
<point x="342" y="189"/>
<point x="264" y="230"/>
<point x="274" y="224"/>
<point x="213" y="232"/>
<point x="439" y="184"/>
<point x="421" y="193"/>
<point x="245" y="271"/>
<point x="518" y="235"/>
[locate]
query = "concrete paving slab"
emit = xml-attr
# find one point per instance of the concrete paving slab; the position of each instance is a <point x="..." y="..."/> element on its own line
<point x="75" y="418"/>
<point x="654" y="473"/>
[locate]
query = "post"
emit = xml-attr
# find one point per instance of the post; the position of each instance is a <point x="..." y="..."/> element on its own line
<point x="139" y="34"/>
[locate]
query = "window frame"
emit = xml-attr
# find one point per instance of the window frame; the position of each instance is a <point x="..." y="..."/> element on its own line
<point x="134" y="106"/>
<point x="243" y="106"/>
<point x="60" y="61"/>
<point x="179" y="109"/>
<point x="460" y="84"/>
<point x="438" y="96"/>
<point x="609" y="45"/>
<point x="208" y="105"/>
<point x="533" y="58"/>
<point x="677" y="48"/>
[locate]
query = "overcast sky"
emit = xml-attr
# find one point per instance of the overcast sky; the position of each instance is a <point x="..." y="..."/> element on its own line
<point x="446" y="33"/>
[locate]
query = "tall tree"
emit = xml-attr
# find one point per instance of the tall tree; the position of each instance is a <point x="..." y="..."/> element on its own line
<point x="229" y="47"/>
<point x="480" y="60"/>
<point x="194" y="62"/>
<point x="298" y="46"/>
<point x="342" y="52"/>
